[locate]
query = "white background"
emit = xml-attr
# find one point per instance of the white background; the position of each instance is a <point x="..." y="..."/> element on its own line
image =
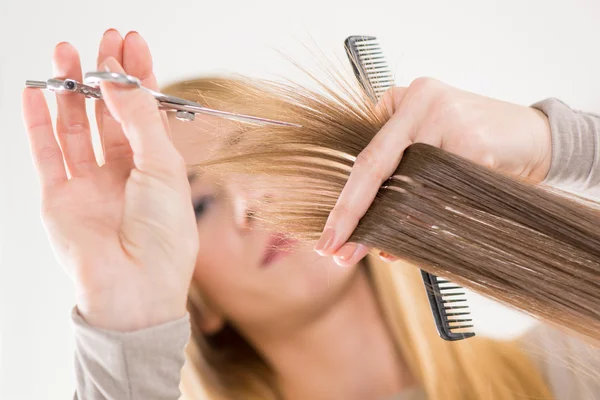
<point x="516" y="50"/>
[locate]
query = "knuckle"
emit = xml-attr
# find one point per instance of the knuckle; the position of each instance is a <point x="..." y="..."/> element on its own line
<point x="366" y="159"/>
<point x="392" y="99"/>
<point x="46" y="154"/>
<point x="343" y="212"/>
<point x="72" y="127"/>
<point x="120" y="150"/>
<point x="369" y="163"/>
<point x="436" y="97"/>
<point x="77" y="128"/>
<point x="488" y="160"/>
<point x="165" y="164"/>
<point x="424" y="85"/>
<point x="139" y="108"/>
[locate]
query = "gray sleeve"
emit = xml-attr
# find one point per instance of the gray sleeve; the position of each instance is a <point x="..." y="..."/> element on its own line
<point x="575" y="164"/>
<point x="144" y="364"/>
<point x="570" y="366"/>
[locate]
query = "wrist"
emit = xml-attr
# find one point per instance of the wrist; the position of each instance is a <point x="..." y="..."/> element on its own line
<point x="125" y="315"/>
<point x="542" y="147"/>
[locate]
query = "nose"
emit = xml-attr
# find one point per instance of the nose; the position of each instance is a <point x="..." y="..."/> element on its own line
<point x="243" y="213"/>
<point x="250" y="197"/>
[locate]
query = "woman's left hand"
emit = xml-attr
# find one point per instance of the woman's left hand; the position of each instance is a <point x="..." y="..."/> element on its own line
<point x="505" y="137"/>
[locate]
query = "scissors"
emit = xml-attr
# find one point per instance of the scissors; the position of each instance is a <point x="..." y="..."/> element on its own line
<point x="185" y="110"/>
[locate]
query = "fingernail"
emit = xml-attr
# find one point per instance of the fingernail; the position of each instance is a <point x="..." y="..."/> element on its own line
<point x="112" y="65"/>
<point x="387" y="257"/>
<point x="325" y="241"/>
<point x="110" y="30"/>
<point x="344" y="263"/>
<point x="133" y="35"/>
<point x="347" y="251"/>
<point x="341" y="263"/>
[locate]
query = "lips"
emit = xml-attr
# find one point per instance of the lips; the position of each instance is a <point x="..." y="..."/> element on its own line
<point x="278" y="247"/>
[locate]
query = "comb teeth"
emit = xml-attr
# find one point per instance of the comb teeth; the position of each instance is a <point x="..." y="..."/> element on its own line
<point x="370" y="66"/>
<point x="449" y="306"/>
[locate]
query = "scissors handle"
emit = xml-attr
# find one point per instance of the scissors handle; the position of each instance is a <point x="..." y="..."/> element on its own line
<point x="66" y="85"/>
<point x="185" y="110"/>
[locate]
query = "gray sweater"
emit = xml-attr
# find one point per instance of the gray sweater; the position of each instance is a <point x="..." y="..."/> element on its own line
<point x="146" y="364"/>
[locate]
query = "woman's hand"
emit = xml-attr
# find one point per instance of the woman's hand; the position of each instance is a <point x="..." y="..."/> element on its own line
<point x="506" y="137"/>
<point x="125" y="231"/>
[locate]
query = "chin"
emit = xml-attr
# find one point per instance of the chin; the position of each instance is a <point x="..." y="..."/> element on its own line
<point x="307" y="275"/>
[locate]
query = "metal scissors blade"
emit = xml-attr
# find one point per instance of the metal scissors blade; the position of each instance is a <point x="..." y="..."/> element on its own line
<point x="185" y="110"/>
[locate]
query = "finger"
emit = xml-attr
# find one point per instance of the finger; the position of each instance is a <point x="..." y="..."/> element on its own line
<point x="350" y="253"/>
<point x="45" y="152"/>
<point x="137" y="61"/>
<point x="391" y="100"/>
<point x="137" y="112"/>
<point x="115" y="145"/>
<point x="72" y="125"/>
<point x="373" y="166"/>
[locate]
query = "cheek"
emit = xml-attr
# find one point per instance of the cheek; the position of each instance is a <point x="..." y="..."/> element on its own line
<point x="221" y="262"/>
<point x="220" y="254"/>
<point x="312" y="280"/>
<point x="216" y="244"/>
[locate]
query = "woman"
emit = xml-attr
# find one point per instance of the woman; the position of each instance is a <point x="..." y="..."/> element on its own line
<point x="268" y="322"/>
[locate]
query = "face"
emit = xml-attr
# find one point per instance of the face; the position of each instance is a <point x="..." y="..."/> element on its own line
<point x="255" y="278"/>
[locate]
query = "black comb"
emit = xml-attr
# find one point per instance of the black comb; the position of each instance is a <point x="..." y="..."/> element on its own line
<point x="369" y="65"/>
<point x="449" y="307"/>
<point x="447" y="300"/>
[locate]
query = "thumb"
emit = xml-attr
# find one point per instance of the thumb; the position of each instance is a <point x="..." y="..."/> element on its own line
<point x="137" y="112"/>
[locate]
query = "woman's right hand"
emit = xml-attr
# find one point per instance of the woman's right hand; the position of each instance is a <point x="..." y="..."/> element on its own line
<point x="125" y="231"/>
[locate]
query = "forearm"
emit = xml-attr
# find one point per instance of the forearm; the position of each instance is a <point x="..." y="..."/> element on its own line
<point x="143" y="364"/>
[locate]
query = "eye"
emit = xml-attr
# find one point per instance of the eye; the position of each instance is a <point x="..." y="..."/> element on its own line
<point x="201" y="205"/>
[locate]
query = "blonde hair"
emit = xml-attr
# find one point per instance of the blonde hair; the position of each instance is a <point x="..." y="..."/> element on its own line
<point x="225" y="366"/>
